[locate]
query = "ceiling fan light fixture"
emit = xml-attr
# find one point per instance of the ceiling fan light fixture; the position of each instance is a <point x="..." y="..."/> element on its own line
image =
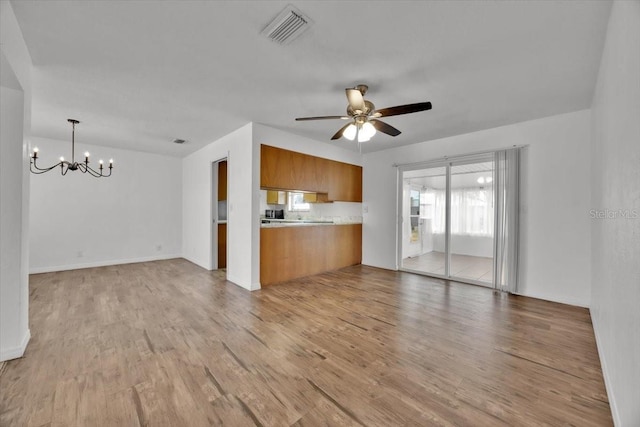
<point x="364" y="116"/>
<point x="368" y="130"/>
<point x="350" y="132"/>
<point x="363" y="137"/>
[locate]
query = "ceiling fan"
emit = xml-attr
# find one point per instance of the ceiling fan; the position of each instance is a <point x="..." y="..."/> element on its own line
<point x="363" y="116"/>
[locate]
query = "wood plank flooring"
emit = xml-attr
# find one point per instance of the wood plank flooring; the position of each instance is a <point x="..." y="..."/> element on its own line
<point x="169" y="344"/>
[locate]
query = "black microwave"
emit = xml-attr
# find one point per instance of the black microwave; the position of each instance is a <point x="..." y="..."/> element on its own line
<point x="274" y="213"/>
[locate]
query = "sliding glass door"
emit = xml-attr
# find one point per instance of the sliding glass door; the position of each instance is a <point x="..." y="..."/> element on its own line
<point x="472" y="220"/>
<point x="448" y="219"/>
<point x="423" y="220"/>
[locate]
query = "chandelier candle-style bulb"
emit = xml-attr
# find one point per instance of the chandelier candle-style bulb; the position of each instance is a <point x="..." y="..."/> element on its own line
<point x="66" y="166"/>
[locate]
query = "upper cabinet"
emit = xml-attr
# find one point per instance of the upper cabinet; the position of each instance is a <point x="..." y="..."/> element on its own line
<point x="275" y="197"/>
<point x="289" y="170"/>
<point x="345" y="182"/>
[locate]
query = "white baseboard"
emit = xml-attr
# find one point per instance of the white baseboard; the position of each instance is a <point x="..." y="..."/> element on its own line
<point x="569" y="301"/>
<point x="16" y="352"/>
<point x="197" y="262"/>
<point x="50" y="269"/>
<point x="238" y="282"/>
<point x="605" y="374"/>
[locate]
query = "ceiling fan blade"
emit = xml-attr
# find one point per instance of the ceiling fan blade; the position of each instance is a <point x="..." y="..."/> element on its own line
<point x="385" y="128"/>
<point x="323" y="118"/>
<point x="338" y="134"/>
<point x="403" y="109"/>
<point x="355" y="98"/>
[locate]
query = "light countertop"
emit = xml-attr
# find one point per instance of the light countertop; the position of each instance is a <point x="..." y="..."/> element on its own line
<point x="274" y="223"/>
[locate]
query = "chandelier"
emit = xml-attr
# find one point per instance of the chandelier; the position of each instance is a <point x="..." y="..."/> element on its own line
<point x="66" y="166"/>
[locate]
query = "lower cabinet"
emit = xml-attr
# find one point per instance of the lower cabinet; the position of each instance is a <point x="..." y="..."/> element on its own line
<point x="290" y="252"/>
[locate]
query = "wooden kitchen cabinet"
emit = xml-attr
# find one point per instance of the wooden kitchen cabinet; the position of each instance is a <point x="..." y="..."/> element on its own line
<point x="275" y="197"/>
<point x="277" y="168"/>
<point x="290" y="170"/>
<point x="345" y="182"/>
<point x="315" y="198"/>
<point x="307" y="250"/>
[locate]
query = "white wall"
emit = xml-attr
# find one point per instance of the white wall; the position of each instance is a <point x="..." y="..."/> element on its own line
<point x="554" y="210"/>
<point x="615" y="291"/>
<point x="11" y="305"/>
<point x="78" y="221"/>
<point x="463" y="244"/>
<point x="242" y="222"/>
<point x="15" y="124"/>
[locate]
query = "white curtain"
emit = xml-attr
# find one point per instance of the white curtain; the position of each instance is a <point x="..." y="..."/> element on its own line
<point x="471" y="211"/>
<point x="507" y="190"/>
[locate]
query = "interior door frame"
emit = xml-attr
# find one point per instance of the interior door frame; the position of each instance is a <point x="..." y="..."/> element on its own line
<point x="445" y="162"/>
<point x="213" y="212"/>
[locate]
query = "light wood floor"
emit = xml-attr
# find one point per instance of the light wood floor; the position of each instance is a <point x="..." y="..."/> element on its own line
<point x="462" y="266"/>
<point x="168" y="343"/>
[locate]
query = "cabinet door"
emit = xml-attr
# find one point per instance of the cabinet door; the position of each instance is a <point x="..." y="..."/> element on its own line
<point x="272" y="197"/>
<point x="288" y="170"/>
<point x="309" y="178"/>
<point x="334" y="180"/>
<point x="297" y="178"/>
<point x="276" y="169"/>
<point x="353" y="177"/>
<point x="310" y="197"/>
<point x="276" y="197"/>
<point x="322" y="169"/>
<point x="345" y="182"/>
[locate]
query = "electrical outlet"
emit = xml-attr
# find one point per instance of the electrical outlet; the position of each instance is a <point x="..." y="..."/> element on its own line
<point x="158" y="248"/>
<point x="80" y="254"/>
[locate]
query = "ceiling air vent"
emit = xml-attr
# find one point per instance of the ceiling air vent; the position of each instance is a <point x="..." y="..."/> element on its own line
<point x="287" y="26"/>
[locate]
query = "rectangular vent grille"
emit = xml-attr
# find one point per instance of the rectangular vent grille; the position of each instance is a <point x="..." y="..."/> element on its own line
<point x="287" y="26"/>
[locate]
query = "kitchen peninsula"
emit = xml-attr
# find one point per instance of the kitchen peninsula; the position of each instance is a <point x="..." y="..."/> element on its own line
<point x="329" y="236"/>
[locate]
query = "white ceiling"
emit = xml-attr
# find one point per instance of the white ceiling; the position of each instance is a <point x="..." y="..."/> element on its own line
<point x="139" y="74"/>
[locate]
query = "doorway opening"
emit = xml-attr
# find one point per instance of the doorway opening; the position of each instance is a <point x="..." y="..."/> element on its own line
<point x="448" y="220"/>
<point x="459" y="218"/>
<point x="219" y="215"/>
